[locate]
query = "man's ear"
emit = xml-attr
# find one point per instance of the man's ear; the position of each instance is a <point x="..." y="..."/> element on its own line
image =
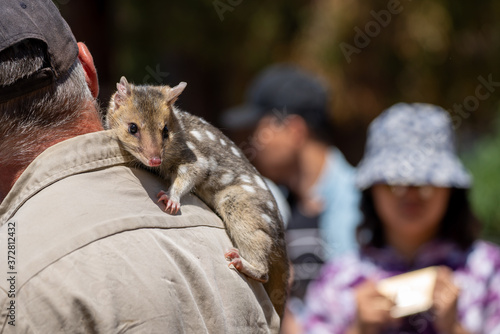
<point x="89" y="68"/>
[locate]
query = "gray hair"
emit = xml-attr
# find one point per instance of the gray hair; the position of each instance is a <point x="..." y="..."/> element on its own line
<point x="39" y="115"/>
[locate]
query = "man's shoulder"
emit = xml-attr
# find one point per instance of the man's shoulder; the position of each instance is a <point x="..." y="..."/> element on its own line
<point x="106" y="195"/>
<point x="149" y="278"/>
<point x="93" y="244"/>
<point x="81" y="209"/>
<point x="102" y="244"/>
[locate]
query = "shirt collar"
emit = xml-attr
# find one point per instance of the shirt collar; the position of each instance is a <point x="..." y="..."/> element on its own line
<point x="73" y="156"/>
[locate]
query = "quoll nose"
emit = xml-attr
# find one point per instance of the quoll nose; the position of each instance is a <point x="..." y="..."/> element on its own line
<point x="154" y="162"/>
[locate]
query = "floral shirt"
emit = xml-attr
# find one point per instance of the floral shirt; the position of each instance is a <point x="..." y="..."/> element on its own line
<point x="331" y="306"/>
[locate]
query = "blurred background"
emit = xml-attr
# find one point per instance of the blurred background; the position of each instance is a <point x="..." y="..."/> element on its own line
<point x="372" y="54"/>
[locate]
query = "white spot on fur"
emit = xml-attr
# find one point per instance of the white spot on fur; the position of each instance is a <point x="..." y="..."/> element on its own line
<point x="210" y="135"/>
<point x="203" y="163"/>
<point x="266" y="218"/>
<point x="270" y="205"/>
<point x="235" y="151"/>
<point x="248" y="188"/>
<point x="203" y="121"/>
<point x="196" y="134"/>
<point x="183" y="169"/>
<point x="190" y="145"/>
<point x="260" y="182"/>
<point x="226" y="179"/>
<point x="245" y="178"/>
<point x="212" y="163"/>
<point x="223" y="142"/>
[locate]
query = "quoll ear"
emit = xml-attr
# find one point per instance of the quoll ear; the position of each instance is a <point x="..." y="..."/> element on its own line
<point x="176" y="91"/>
<point x="123" y="93"/>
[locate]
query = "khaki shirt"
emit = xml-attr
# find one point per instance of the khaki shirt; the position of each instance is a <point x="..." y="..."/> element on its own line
<point x="84" y="247"/>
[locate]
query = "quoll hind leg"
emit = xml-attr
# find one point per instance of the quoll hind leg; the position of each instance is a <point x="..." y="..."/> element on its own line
<point x="234" y="258"/>
<point x="275" y="283"/>
<point x="261" y="243"/>
<point x="251" y="257"/>
<point x="248" y="231"/>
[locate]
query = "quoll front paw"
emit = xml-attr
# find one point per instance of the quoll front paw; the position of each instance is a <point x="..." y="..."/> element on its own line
<point x="171" y="206"/>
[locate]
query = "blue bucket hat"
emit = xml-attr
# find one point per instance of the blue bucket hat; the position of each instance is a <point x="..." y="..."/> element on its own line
<point x="412" y="144"/>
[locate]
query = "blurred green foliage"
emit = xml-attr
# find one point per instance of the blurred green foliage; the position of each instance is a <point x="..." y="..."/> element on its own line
<point x="483" y="160"/>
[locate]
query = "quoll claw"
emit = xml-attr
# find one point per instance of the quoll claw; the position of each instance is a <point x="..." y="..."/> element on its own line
<point x="171" y="206"/>
<point x="233" y="256"/>
<point x="232" y="253"/>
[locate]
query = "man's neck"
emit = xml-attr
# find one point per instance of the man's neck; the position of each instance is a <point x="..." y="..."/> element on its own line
<point x="87" y="123"/>
<point x="310" y="165"/>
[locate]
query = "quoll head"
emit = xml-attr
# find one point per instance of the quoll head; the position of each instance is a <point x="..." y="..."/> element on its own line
<point x="143" y="119"/>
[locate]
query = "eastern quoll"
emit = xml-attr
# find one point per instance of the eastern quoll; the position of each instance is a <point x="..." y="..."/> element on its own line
<point x="195" y="156"/>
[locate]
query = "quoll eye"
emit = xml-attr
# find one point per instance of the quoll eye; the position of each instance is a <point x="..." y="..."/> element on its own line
<point x="165" y="132"/>
<point x="132" y="128"/>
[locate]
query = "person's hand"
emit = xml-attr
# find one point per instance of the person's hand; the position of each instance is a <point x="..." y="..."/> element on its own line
<point x="373" y="310"/>
<point x="445" y="299"/>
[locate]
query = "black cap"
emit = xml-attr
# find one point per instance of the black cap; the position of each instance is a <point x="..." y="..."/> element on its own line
<point x="21" y="20"/>
<point x="282" y="89"/>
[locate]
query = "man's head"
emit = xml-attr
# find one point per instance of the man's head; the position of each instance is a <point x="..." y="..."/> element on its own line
<point x="48" y="82"/>
<point x="288" y="106"/>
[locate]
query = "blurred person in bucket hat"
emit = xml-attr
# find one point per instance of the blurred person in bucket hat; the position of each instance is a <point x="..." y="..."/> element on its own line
<point x="86" y="248"/>
<point x="287" y="110"/>
<point x="416" y="216"/>
<point x="412" y="150"/>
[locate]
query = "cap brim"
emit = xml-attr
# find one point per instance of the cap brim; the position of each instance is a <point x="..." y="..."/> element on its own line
<point x="243" y="116"/>
<point x="412" y="167"/>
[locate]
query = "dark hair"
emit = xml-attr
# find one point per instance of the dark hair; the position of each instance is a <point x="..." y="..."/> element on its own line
<point x="318" y="122"/>
<point x="459" y="224"/>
